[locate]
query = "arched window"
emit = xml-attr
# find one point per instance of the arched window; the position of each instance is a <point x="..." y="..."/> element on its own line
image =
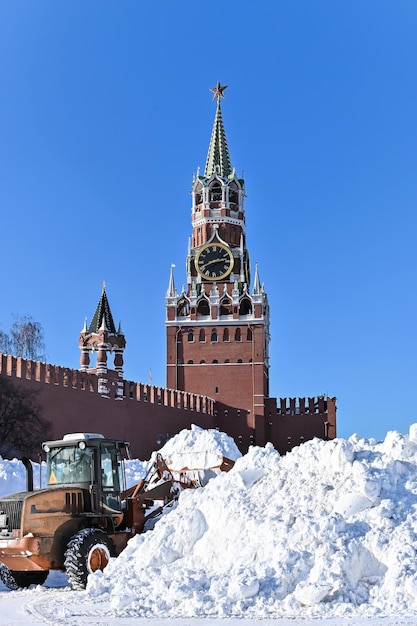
<point x="202" y="361"/>
<point x="233" y="196"/>
<point x="225" y="307"/>
<point x="249" y="334"/>
<point x="190" y="335"/>
<point x="239" y="361"/>
<point x="183" y="308"/>
<point x="227" y="361"/>
<point x="226" y="334"/>
<point x="190" y="362"/>
<point x="238" y="334"/>
<point x="214" y="335"/>
<point x="203" y="307"/>
<point x="245" y="307"/>
<point x="215" y="361"/>
<point x="199" y="194"/>
<point x="202" y="336"/>
<point x="215" y="192"/>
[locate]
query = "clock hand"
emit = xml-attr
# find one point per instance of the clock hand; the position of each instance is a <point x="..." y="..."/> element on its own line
<point x="203" y="267"/>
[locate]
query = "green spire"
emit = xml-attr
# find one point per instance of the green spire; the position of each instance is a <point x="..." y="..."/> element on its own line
<point x="218" y="158"/>
<point x="102" y="314"/>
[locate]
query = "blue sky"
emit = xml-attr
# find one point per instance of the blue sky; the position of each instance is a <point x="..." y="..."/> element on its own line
<point x="106" y="113"/>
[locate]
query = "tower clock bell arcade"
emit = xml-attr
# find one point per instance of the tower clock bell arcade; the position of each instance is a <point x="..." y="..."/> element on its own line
<point x="218" y="326"/>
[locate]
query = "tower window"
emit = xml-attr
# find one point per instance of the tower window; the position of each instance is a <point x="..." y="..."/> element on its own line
<point x="245" y="307"/>
<point x="249" y="334"/>
<point x="203" y="307"/>
<point x="225" y="307"/>
<point x="183" y="308"/>
<point x="238" y="335"/>
<point x="198" y="194"/>
<point x="233" y="197"/>
<point x="190" y="335"/>
<point x="226" y="334"/>
<point x="202" y="336"/>
<point x="216" y="192"/>
<point x="214" y="335"/>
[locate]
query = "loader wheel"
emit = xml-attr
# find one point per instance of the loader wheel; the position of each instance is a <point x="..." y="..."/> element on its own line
<point x="16" y="580"/>
<point x="87" y="551"/>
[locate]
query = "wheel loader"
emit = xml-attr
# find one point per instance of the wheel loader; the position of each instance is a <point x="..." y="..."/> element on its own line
<point x="84" y="515"/>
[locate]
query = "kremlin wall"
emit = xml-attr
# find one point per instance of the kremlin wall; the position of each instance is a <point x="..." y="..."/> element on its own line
<point x="147" y="415"/>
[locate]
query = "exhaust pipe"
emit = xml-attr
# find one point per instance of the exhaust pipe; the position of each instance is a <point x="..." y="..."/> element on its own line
<point x="29" y="473"/>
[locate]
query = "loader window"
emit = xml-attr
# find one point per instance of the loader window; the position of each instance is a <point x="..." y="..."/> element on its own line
<point x="110" y="478"/>
<point x="69" y="464"/>
<point x="109" y="468"/>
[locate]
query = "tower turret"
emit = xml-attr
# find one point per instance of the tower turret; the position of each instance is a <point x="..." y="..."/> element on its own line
<point x="102" y="337"/>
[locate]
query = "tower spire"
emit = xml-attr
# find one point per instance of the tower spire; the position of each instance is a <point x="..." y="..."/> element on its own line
<point x="218" y="158"/>
<point x="256" y="282"/>
<point x="102" y="314"/>
<point x="171" y="291"/>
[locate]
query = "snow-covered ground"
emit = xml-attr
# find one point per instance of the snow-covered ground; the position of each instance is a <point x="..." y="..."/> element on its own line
<point x="327" y="533"/>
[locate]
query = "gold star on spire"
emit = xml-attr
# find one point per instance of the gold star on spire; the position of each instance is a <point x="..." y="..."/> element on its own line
<point x="218" y="90"/>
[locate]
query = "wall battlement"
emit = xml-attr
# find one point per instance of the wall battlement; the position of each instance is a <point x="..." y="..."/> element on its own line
<point x="304" y="406"/>
<point x="48" y="374"/>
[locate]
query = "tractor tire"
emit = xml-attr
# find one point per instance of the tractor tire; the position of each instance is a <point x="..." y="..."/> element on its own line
<point x="87" y="551"/>
<point x="18" y="580"/>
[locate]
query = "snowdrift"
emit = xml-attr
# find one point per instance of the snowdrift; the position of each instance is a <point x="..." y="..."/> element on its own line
<point x="328" y="530"/>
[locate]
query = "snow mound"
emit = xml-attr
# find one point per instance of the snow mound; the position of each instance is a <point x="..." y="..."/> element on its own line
<point x="328" y="530"/>
<point x="12" y="476"/>
<point x="199" y="448"/>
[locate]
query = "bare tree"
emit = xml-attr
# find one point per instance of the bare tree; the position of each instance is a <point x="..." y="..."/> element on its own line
<point x="22" y="427"/>
<point x="4" y="342"/>
<point x="25" y="339"/>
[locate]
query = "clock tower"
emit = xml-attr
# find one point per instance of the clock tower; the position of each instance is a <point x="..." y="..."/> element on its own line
<point x="218" y="325"/>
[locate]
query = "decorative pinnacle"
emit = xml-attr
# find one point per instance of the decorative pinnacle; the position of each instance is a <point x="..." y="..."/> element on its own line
<point x="218" y="90"/>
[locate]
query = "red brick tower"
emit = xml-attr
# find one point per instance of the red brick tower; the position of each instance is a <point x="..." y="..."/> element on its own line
<point x="218" y="326"/>
<point x="102" y="337"/>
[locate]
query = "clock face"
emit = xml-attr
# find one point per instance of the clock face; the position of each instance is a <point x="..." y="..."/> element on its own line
<point x="214" y="261"/>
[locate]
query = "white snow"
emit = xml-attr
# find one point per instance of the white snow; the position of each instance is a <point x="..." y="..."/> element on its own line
<point x="328" y="531"/>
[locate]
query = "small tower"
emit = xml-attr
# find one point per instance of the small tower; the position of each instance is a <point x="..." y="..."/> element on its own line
<point x="102" y="337"/>
<point x="217" y="328"/>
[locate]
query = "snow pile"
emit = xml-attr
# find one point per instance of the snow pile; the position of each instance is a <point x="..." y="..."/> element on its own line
<point x="199" y="451"/>
<point x="199" y="448"/>
<point x="13" y="476"/>
<point x="329" y="530"/>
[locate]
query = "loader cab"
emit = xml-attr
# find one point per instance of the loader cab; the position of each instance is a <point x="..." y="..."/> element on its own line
<point x="92" y="462"/>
